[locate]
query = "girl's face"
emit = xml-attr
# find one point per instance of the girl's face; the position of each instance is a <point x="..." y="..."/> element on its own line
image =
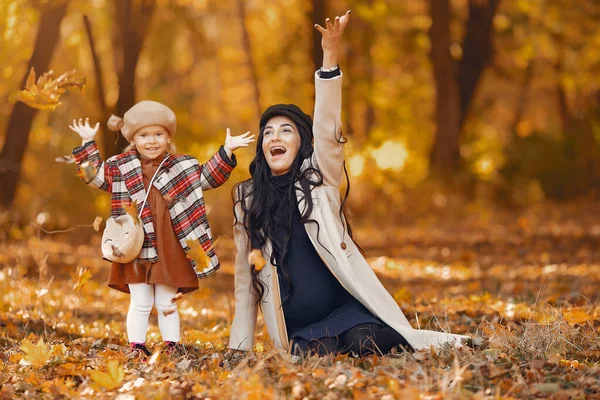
<point x="281" y="143"/>
<point x="151" y="141"/>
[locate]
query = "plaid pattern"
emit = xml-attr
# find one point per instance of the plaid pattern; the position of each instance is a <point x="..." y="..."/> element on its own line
<point x="180" y="180"/>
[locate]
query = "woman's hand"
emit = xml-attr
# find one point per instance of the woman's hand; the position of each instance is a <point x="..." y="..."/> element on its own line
<point x="85" y="131"/>
<point x="232" y="143"/>
<point x="331" y="38"/>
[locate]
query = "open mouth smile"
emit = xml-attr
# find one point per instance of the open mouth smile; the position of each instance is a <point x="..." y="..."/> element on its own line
<point x="277" y="151"/>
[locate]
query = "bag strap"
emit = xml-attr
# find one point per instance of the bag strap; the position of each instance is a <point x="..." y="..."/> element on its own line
<point x="150" y="185"/>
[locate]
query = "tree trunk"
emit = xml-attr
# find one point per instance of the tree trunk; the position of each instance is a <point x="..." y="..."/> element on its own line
<point x="133" y="24"/>
<point x="21" y="119"/>
<point x="107" y="137"/>
<point x="563" y="106"/>
<point x="249" y="58"/>
<point x="477" y="50"/>
<point x="445" y="152"/>
<point x="319" y="13"/>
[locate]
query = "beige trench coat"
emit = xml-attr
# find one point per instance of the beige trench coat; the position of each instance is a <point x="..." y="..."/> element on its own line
<point x="342" y="257"/>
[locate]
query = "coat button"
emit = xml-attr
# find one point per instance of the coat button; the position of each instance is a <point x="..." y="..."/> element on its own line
<point x="343" y="246"/>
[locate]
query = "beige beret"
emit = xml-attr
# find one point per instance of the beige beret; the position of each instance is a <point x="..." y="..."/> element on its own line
<point x="143" y="114"/>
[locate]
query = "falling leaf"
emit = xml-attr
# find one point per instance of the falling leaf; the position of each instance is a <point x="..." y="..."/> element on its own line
<point x="96" y="224"/>
<point x="197" y="254"/>
<point x="81" y="277"/>
<point x="255" y="257"/>
<point x="112" y="378"/>
<point x="87" y="171"/>
<point x="177" y="297"/>
<point x="46" y="92"/>
<point x="67" y="159"/>
<point x="169" y="311"/>
<point x="35" y="355"/>
<point x="132" y="210"/>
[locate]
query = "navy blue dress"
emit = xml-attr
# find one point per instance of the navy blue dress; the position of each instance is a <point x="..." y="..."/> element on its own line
<point x="315" y="304"/>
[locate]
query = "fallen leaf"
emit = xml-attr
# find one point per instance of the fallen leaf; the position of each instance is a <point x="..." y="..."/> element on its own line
<point x="112" y="378"/>
<point x="35" y="355"/>
<point x="576" y="316"/>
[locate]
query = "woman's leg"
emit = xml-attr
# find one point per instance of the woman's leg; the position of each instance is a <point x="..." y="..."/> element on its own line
<point x="168" y="324"/>
<point x="140" y="305"/>
<point x="324" y="346"/>
<point x="367" y="339"/>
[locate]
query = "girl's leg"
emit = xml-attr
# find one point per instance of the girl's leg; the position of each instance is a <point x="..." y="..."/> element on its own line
<point x="367" y="339"/>
<point x="141" y="302"/>
<point x="168" y="324"/>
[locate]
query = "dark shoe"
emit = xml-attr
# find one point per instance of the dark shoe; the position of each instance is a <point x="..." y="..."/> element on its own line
<point x="140" y="349"/>
<point x="173" y="349"/>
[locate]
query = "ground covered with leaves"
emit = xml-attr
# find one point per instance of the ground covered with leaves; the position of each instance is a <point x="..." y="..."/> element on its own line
<point x="528" y="283"/>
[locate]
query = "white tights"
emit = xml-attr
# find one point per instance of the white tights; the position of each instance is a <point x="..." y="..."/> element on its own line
<point x="143" y="298"/>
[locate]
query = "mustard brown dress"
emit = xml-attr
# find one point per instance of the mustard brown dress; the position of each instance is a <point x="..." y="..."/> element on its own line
<point x="173" y="267"/>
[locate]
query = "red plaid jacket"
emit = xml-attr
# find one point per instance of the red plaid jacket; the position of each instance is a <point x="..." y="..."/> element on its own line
<point x="180" y="180"/>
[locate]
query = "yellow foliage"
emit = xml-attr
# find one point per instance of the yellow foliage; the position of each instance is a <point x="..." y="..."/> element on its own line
<point x="35" y="355"/>
<point x="45" y="93"/>
<point x="576" y="316"/>
<point x="112" y="378"/>
<point x="197" y="253"/>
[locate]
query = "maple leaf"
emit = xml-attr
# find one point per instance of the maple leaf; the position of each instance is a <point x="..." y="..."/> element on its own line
<point x="197" y="254"/>
<point x="576" y="316"/>
<point x="81" y="277"/>
<point x="255" y="257"/>
<point x="112" y="378"/>
<point x="46" y="92"/>
<point x="35" y="355"/>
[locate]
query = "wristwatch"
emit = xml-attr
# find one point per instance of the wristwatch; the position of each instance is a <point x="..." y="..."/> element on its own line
<point x="336" y="66"/>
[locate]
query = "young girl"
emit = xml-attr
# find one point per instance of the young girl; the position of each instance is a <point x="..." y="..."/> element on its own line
<point x="174" y="211"/>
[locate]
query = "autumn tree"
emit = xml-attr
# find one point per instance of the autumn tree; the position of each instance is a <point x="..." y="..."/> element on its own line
<point x="456" y="82"/>
<point x="21" y="118"/>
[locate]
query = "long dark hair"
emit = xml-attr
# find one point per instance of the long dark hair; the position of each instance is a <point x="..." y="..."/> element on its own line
<point x="261" y="215"/>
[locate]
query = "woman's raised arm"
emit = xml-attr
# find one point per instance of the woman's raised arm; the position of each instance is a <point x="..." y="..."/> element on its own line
<point x="327" y="125"/>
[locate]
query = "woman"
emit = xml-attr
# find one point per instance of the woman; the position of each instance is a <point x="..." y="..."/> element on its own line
<point x="316" y="291"/>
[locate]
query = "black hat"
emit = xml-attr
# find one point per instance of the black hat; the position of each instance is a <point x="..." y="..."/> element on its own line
<point x="293" y="112"/>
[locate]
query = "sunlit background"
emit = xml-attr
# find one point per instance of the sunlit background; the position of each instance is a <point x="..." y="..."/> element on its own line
<point x="490" y="100"/>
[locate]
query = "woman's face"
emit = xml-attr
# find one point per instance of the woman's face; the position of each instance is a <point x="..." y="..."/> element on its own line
<point x="281" y="144"/>
<point x="151" y="141"/>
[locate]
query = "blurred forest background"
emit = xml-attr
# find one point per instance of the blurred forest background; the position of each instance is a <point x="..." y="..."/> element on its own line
<point x="492" y="101"/>
<point x="474" y="162"/>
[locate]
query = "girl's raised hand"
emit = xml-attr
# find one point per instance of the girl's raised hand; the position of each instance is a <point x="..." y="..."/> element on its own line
<point x="85" y="131"/>
<point x="333" y="32"/>
<point x="232" y="143"/>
